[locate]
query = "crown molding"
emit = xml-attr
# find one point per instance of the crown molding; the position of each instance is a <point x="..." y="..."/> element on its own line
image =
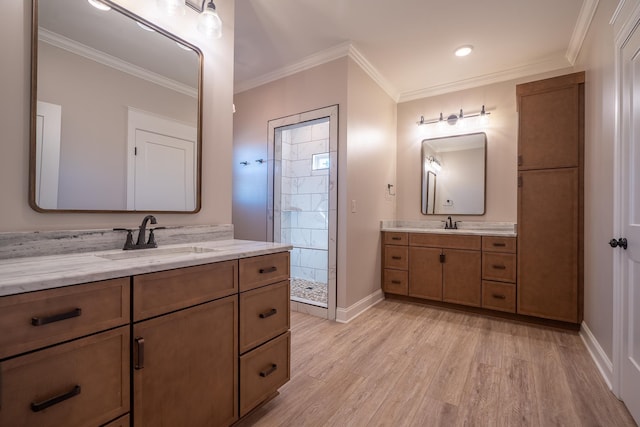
<point x="373" y="73"/>
<point x="306" y="63"/>
<point x="95" y="55"/>
<point x="544" y="66"/>
<point x="587" y="11"/>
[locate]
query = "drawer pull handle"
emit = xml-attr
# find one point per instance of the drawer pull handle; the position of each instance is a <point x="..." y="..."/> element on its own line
<point x="39" y="321"/>
<point x="139" y="353"/>
<point x="268" y="313"/>
<point x="498" y="296"/>
<point x="269" y="371"/>
<point x="499" y="245"/>
<point x="499" y="267"/>
<point x="396" y="282"/>
<point x="37" y="407"/>
<point x="396" y="257"/>
<point x="268" y="270"/>
<point x="396" y="238"/>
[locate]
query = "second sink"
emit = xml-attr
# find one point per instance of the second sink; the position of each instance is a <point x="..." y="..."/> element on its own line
<point x="148" y="253"/>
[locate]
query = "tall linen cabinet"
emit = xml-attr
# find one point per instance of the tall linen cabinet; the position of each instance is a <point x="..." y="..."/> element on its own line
<point x="550" y="198"/>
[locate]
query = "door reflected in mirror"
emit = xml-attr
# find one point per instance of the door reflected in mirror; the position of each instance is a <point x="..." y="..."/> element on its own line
<point x="453" y="175"/>
<point x="115" y="113"/>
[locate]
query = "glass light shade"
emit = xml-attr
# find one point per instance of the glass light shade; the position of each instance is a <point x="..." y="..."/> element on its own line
<point x="172" y="7"/>
<point x="209" y="23"/>
<point x="99" y="5"/>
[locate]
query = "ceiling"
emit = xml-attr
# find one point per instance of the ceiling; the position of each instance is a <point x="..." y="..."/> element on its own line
<point x="407" y="46"/>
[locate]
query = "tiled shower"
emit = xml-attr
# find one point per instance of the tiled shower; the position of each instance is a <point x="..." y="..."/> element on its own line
<point x="304" y="204"/>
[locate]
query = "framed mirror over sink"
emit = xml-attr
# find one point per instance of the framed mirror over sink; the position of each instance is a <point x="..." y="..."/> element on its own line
<point x="116" y="111"/>
<point x="454" y="175"/>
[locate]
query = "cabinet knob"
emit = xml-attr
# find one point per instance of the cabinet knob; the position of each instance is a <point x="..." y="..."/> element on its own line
<point x="621" y="242"/>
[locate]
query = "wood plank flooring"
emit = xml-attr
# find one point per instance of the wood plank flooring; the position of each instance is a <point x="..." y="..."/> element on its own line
<point x="403" y="364"/>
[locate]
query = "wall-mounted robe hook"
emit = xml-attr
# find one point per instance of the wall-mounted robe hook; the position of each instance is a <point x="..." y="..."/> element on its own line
<point x="261" y="161"/>
<point x="245" y="163"/>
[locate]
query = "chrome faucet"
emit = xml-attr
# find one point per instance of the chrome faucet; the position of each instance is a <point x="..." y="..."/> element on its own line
<point x="140" y="243"/>
<point x="450" y="224"/>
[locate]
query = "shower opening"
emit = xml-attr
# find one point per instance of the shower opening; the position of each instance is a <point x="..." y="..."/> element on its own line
<point x="303" y="175"/>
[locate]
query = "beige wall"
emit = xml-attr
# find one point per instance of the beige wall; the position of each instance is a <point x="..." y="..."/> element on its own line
<point x="366" y="163"/>
<point x="93" y="149"/>
<point x="308" y="90"/>
<point x="16" y="215"/>
<point x="597" y="58"/>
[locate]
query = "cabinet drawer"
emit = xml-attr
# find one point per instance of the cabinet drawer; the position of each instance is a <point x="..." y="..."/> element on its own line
<point x="124" y="421"/>
<point x="449" y="241"/>
<point x="395" y="281"/>
<point x="499" y="244"/>
<point x="394" y="238"/>
<point x="263" y="270"/>
<point x="499" y="296"/>
<point x="264" y="314"/>
<point x="34" y="320"/>
<point x="396" y="257"/>
<point x="81" y="383"/>
<point x="263" y="371"/>
<point x="167" y="291"/>
<point x="500" y="267"/>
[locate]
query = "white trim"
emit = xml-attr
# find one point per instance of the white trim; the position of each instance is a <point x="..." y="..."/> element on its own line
<point x="306" y="63"/>
<point x="604" y="364"/>
<point x="550" y="64"/>
<point x="346" y="315"/>
<point x="100" y="57"/>
<point x="616" y="13"/>
<point x="587" y="11"/>
<point x="373" y="73"/>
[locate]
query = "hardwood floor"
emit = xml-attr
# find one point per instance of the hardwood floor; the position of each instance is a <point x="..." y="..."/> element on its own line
<point x="402" y="364"/>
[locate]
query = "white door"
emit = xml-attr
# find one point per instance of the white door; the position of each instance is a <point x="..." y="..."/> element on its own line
<point x="630" y="204"/>
<point x="48" y="129"/>
<point x="162" y="164"/>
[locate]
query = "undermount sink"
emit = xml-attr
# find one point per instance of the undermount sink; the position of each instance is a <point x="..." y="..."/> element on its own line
<point x="147" y="253"/>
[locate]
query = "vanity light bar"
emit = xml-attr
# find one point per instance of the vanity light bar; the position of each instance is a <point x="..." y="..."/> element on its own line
<point x="453" y="118"/>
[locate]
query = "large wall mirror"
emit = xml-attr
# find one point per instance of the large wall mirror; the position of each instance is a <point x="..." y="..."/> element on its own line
<point x="453" y="175"/>
<point x="116" y="112"/>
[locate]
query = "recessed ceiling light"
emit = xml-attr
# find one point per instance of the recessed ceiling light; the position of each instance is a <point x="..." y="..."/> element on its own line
<point x="464" y="50"/>
<point x="99" y="5"/>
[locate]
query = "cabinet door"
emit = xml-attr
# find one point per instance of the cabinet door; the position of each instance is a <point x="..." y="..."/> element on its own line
<point x="550" y="125"/>
<point x="462" y="282"/>
<point x="548" y="239"/>
<point x="425" y="277"/>
<point x="186" y="367"/>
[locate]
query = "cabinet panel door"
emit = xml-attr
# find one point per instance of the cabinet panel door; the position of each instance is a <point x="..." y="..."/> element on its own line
<point x="425" y="277"/>
<point x="186" y="369"/>
<point x="462" y="282"/>
<point x="548" y="239"/>
<point x="549" y="127"/>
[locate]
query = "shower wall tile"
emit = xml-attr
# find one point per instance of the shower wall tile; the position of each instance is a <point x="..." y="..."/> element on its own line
<point x="319" y="202"/>
<point x="312" y="184"/>
<point x="300" y="202"/>
<point x="320" y="239"/>
<point x="314" y="258"/>
<point x="295" y="257"/>
<point x="300" y="237"/>
<point x="300" y="134"/>
<point x="303" y="273"/>
<point x="289" y="152"/>
<point x="321" y="276"/>
<point x="320" y="130"/>
<point x="299" y="168"/>
<point x="317" y="220"/>
<point x="308" y="149"/>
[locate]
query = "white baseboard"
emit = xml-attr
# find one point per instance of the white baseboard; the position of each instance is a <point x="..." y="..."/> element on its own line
<point x="605" y="366"/>
<point x="346" y="315"/>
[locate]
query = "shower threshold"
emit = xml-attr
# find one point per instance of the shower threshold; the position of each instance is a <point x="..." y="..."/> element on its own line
<point x="309" y="292"/>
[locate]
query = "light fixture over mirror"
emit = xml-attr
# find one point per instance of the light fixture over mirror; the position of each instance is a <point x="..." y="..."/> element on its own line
<point x="116" y="112"/>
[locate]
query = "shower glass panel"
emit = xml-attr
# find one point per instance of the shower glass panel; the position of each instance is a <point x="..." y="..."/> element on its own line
<point x="301" y="202"/>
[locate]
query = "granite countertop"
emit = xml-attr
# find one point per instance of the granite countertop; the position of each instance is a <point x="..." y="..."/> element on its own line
<point x="476" y="228"/>
<point x="45" y="272"/>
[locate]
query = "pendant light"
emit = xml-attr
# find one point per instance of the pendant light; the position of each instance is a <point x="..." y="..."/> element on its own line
<point x="209" y="23"/>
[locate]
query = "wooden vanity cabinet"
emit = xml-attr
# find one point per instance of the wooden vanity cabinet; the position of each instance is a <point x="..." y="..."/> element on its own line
<point x="445" y="268"/>
<point x="395" y="263"/>
<point x="550" y="197"/>
<point x="185" y="359"/>
<point x="65" y="355"/>
<point x="265" y="340"/>
<point x="499" y="273"/>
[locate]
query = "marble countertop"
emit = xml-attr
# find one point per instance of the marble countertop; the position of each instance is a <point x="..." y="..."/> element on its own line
<point x="477" y="228"/>
<point x="45" y="272"/>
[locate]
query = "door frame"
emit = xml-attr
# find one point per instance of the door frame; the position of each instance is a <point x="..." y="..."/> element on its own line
<point x="626" y="29"/>
<point x="332" y="113"/>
